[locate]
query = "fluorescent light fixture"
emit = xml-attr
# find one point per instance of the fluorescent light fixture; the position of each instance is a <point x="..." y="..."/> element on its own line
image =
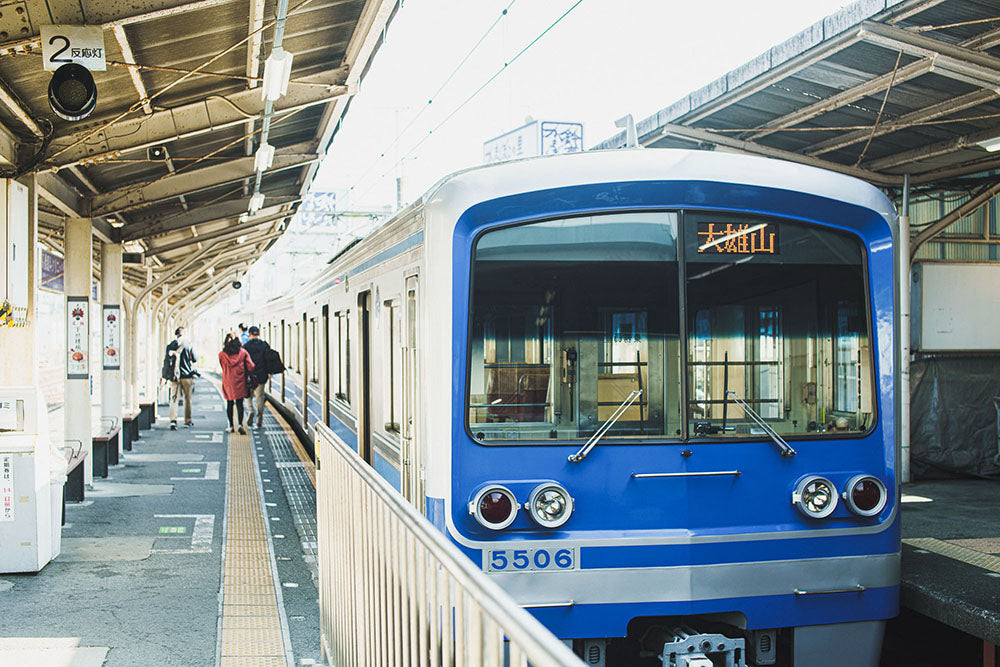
<point x="263" y="158"/>
<point x="210" y="270"/>
<point x="256" y="202"/>
<point x="244" y="217"/>
<point x="277" y="72"/>
<point x="117" y="223"/>
<point x="991" y="145"/>
<point x="241" y="239"/>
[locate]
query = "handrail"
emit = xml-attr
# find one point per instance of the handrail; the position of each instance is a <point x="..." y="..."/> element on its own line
<point x="395" y="590"/>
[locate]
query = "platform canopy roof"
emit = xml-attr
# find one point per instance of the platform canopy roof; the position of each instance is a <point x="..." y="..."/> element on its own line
<point x="880" y="89"/>
<point x="166" y="161"/>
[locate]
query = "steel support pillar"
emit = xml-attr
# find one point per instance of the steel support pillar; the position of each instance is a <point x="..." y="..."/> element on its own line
<point x="904" y="334"/>
<point x="77" y="281"/>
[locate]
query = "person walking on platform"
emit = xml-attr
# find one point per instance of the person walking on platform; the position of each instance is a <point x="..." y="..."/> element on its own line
<point x="236" y="367"/>
<point x="257" y="348"/>
<point x="178" y="369"/>
<point x="244" y="336"/>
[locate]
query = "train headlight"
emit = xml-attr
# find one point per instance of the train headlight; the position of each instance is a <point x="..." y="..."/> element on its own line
<point x="865" y="495"/>
<point x="494" y="507"/>
<point x="815" y="496"/>
<point x="550" y="505"/>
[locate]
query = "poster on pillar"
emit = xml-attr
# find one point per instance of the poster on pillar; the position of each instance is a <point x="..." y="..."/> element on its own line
<point x="77" y="344"/>
<point x="112" y="338"/>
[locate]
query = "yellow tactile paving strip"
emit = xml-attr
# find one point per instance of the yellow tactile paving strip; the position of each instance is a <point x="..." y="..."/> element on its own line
<point x="251" y="623"/>
<point x="961" y="553"/>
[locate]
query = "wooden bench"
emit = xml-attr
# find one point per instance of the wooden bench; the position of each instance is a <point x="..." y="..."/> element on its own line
<point x="73" y="488"/>
<point x="130" y="429"/>
<point x="105" y="442"/>
<point x="146" y="416"/>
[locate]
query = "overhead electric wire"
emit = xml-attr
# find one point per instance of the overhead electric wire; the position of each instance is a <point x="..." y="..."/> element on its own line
<point x="437" y="92"/>
<point x="480" y="89"/>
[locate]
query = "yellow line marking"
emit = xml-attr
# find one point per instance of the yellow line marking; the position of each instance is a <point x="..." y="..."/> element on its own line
<point x="251" y="625"/>
<point x="959" y="553"/>
<point x="300" y="451"/>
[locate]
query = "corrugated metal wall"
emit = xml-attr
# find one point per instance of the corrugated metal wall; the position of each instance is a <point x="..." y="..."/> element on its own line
<point x="926" y="211"/>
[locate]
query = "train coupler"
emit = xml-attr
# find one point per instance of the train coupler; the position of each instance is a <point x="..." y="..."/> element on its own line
<point x="685" y="647"/>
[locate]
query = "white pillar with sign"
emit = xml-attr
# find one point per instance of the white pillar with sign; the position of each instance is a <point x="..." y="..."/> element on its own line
<point x="111" y="332"/>
<point x="76" y="402"/>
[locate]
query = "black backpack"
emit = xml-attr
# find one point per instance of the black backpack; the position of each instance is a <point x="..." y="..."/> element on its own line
<point x="272" y="362"/>
<point x="169" y="363"/>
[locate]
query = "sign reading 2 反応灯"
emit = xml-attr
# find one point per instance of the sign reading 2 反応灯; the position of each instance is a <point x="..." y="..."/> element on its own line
<point x="111" y="327"/>
<point x="83" y="45"/>
<point x="77" y="334"/>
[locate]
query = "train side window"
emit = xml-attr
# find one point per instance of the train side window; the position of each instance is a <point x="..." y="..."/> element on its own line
<point x="777" y="317"/>
<point x="394" y="370"/>
<point x="571" y="320"/>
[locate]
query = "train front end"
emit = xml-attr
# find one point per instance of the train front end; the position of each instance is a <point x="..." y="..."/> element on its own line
<point x="673" y="432"/>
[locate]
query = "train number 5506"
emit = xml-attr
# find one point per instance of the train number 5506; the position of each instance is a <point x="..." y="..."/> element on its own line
<point x="510" y="560"/>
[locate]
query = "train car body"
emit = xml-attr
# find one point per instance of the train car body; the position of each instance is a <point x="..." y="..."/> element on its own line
<point x="651" y="392"/>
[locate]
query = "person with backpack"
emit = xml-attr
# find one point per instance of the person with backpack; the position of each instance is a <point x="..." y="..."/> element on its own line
<point x="257" y="348"/>
<point x="179" y="371"/>
<point x="236" y="368"/>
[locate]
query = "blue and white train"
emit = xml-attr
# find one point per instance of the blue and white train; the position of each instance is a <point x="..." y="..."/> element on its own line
<point x="651" y="392"/>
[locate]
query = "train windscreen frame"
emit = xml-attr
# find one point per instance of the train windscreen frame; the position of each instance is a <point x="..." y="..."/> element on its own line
<point x="577" y="321"/>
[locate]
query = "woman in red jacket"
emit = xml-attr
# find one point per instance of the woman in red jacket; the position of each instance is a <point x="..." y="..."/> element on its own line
<point x="236" y="365"/>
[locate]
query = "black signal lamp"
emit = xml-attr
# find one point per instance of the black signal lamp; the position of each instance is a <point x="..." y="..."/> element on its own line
<point x="72" y="92"/>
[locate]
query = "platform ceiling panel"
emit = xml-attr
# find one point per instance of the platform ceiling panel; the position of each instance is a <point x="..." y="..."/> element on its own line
<point x="165" y="162"/>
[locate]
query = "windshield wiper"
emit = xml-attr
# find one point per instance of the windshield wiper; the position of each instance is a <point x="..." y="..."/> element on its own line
<point x="786" y="449"/>
<point x="594" y="439"/>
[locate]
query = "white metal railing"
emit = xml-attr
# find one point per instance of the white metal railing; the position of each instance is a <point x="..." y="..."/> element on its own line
<point x="395" y="591"/>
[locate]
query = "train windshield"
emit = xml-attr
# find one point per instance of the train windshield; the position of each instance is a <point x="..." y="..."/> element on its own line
<point x="576" y="322"/>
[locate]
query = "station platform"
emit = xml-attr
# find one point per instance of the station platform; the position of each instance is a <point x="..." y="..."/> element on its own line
<point x="198" y="549"/>
<point x="950" y="575"/>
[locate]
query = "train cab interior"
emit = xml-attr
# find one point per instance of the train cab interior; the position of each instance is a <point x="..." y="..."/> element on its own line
<point x="577" y="322"/>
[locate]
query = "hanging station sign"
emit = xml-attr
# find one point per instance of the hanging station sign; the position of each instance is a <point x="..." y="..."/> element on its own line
<point x="77" y="345"/>
<point x="111" y="328"/>
<point x="79" y="44"/>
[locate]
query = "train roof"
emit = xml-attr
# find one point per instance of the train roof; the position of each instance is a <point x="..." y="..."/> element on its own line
<point x="471" y="186"/>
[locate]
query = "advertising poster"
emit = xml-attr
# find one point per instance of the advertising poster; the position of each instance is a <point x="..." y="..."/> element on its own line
<point x="77" y="329"/>
<point x="111" y="326"/>
<point x="6" y="487"/>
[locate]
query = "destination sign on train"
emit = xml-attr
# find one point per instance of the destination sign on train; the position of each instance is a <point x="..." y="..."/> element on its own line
<point x="738" y="238"/>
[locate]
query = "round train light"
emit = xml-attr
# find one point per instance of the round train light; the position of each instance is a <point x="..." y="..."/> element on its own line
<point x="550" y="505"/>
<point x="72" y="92"/>
<point x="865" y="495"/>
<point x="494" y="507"/>
<point x="815" y="496"/>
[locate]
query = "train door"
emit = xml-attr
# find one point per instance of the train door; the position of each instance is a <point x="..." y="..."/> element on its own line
<point x="304" y="368"/>
<point x="284" y="356"/>
<point x="365" y="405"/>
<point x="413" y="460"/>
<point x="325" y="377"/>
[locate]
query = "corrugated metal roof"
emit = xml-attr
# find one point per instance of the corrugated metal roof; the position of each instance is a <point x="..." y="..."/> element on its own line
<point x="880" y="89"/>
<point x="193" y="89"/>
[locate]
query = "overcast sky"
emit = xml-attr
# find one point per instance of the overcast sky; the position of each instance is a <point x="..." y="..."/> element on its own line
<point x="604" y="59"/>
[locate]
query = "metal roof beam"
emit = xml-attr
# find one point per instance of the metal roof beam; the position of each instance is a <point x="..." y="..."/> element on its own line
<point x="700" y="135"/>
<point x="950" y="60"/>
<point x="133" y="72"/>
<point x="878" y="84"/>
<point x="932" y="150"/>
<point x="217" y="212"/>
<point x="61" y="195"/>
<point x="190" y="120"/>
<point x="187" y="182"/>
<point x="229" y="232"/>
<point x="945" y="108"/>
